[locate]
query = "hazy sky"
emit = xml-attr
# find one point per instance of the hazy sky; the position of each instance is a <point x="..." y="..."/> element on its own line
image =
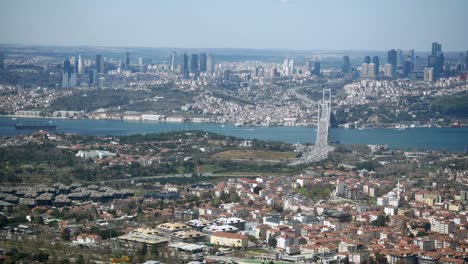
<point x="286" y="24"/>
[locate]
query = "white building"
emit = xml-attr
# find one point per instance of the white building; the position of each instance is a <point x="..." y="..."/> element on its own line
<point x="428" y="74"/>
<point x="388" y="70"/>
<point x="95" y="154"/>
<point x="287" y="240"/>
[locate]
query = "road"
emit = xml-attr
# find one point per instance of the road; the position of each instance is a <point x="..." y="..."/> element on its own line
<point x="321" y="147"/>
<point x="187" y="175"/>
<point x="305" y="98"/>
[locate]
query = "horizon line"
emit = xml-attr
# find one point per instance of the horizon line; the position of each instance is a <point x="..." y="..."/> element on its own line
<point x="212" y="48"/>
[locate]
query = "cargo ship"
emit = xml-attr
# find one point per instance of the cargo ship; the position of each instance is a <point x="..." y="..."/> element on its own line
<point x="35" y="126"/>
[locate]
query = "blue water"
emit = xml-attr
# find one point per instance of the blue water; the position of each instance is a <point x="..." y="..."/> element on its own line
<point x="450" y="139"/>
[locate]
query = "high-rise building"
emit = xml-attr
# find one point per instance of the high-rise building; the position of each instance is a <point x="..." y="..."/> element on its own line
<point x="428" y="74"/>
<point x="194" y="66"/>
<point x="461" y="61"/>
<point x="376" y="62"/>
<point x="99" y="63"/>
<point x="288" y="67"/>
<point x="406" y="67"/>
<point x="185" y="68"/>
<point x="400" y="59"/>
<point x="210" y="63"/>
<point x="411" y="58"/>
<point x="392" y="59"/>
<point x="368" y="70"/>
<point x="371" y="70"/>
<point x="74" y="63"/>
<point x="285" y="67"/>
<point x="127" y="59"/>
<point x="364" y="70"/>
<point x="203" y="62"/>
<point x="80" y="65"/>
<point x="346" y="65"/>
<point x="173" y="61"/>
<point x="317" y="68"/>
<point x="367" y="59"/>
<point x="436" y="49"/>
<point x="68" y="75"/>
<point x="417" y="64"/>
<point x="466" y="60"/>
<point x="436" y="60"/>
<point x="92" y="77"/>
<point x="2" y="60"/>
<point x="291" y="67"/>
<point x="388" y="70"/>
<point x="310" y="65"/>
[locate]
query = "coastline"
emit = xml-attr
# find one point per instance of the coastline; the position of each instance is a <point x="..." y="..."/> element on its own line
<point x="395" y="126"/>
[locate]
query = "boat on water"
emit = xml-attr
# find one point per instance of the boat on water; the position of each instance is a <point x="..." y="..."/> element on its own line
<point x="35" y="125"/>
<point x="401" y="127"/>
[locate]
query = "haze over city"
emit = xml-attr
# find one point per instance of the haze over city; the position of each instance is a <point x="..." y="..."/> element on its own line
<point x="283" y="24"/>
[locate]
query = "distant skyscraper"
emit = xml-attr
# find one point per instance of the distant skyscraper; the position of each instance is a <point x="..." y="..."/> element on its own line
<point x="388" y="70"/>
<point x="392" y="59"/>
<point x="406" y="67"/>
<point x="68" y="75"/>
<point x="80" y="65"/>
<point x="285" y="67"/>
<point x="417" y="64"/>
<point x="2" y="60"/>
<point x="74" y="63"/>
<point x="310" y="65"/>
<point x="317" y="68"/>
<point x="411" y="58"/>
<point x="367" y="59"/>
<point x="291" y="67"/>
<point x="436" y="49"/>
<point x="92" y="77"/>
<point x="346" y="65"/>
<point x="436" y="60"/>
<point x="185" y="68"/>
<point x="364" y="70"/>
<point x="203" y="62"/>
<point x="127" y="59"/>
<point x="210" y="63"/>
<point x="466" y="60"/>
<point x="99" y="63"/>
<point x="288" y="67"/>
<point x="371" y="70"/>
<point x="376" y="62"/>
<point x="461" y="61"/>
<point x="400" y="59"/>
<point x="173" y="61"/>
<point x="194" y="66"/>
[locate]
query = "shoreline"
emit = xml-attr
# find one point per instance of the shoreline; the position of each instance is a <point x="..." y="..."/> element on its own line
<point x="223" y="124"/>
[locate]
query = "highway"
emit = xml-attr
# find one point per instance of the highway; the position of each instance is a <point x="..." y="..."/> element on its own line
<point x="321" y="147"/>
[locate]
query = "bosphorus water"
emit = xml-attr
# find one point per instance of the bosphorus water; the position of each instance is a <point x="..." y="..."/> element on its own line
<point x="449" y="139"/>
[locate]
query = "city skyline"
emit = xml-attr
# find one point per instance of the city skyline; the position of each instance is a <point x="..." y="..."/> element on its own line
<point x="267" y="24"/>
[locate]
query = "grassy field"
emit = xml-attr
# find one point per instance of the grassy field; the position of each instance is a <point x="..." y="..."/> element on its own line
<point x="246" y="154"/>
